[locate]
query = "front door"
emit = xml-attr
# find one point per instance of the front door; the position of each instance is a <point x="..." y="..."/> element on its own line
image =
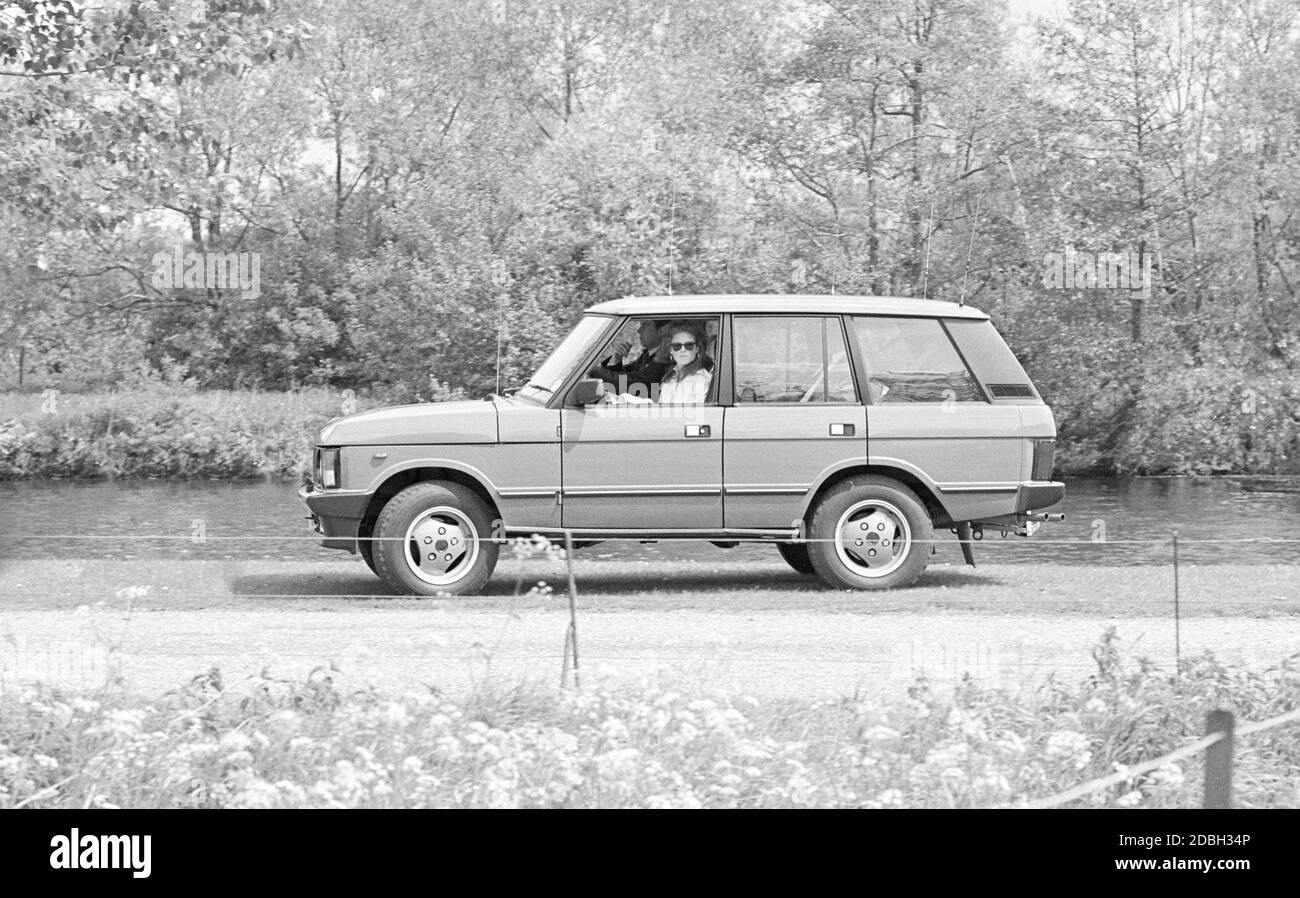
<point x="642" y="467"/>
<point x="642" y="464"/>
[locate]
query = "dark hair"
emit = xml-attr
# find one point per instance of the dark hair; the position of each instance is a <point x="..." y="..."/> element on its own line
<point x="702" y="361"/>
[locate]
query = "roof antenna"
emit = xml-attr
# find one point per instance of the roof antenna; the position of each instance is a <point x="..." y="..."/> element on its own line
<point x="974" y="224"/>
<point x="672" y="232"/>
<point x="925" y="269"/>
<point x="500" y="278"/>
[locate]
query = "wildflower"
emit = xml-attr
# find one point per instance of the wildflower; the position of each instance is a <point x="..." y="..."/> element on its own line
<point x="880" y="733"/>
<point x="1129" y="799"/>
<point x="1170" y="775"/>
<point x="1095" y="705"/>
<point x="235" y="741"/>
<point x="890" y="798"/>
<point x="615" y="731"/>
<point x="947" y="756"/>
<point x="1069" y="746"/>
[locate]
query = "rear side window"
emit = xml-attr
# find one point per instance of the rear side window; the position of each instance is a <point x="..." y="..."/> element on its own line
<point x="991" y="359"/>
<point x="912" y="360"/>
<point x="791" y="359"/>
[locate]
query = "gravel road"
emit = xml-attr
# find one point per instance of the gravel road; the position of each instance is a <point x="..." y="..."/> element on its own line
<point x="767" y="633"/>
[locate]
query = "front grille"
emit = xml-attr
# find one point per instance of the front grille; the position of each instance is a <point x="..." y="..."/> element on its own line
<point x="1044" y="453"/>
<point x="1012" y="391"/>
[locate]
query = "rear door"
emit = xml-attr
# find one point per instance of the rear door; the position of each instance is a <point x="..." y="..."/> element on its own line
<point x="796" y="415"/>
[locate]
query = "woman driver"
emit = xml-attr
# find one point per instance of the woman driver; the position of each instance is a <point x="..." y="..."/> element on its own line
<point x="687" y="382"/>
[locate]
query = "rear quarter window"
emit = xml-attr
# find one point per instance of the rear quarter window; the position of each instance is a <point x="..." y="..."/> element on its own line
<point x="991" y="359"/>
<point x="912" y="360"/>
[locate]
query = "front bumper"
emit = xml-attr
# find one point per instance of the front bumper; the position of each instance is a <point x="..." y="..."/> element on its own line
<point x="336" y="515"/>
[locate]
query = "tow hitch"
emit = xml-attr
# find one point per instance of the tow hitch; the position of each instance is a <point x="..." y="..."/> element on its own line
<point x="1023" y="524"/>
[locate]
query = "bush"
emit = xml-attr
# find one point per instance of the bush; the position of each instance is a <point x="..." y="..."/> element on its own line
<point x="164" y="430"/>
<point x="314" y="744"/>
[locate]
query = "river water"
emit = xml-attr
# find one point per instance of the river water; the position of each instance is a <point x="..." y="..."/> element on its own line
<point x="1108" y="521"/>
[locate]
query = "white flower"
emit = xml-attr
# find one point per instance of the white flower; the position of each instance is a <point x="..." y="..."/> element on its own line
<point x="1067" y="745"/>
<point x="890" y="798"/>
<point x="880" y="733"/>
<point x="235" y="741"/>
<point x="1129" y="799"/>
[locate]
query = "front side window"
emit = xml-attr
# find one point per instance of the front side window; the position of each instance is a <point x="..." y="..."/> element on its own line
<point x="791" y="359"/>
<point x="912" y="360"/>
<point x="666" y="360"/>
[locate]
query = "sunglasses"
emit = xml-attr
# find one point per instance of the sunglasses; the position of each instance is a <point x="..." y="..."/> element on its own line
<point x="687" y="345"/>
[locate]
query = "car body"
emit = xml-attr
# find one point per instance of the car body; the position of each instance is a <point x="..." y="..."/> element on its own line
<point x="843" y="429"/>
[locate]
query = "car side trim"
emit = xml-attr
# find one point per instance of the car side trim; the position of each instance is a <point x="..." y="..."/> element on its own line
<point x="653" y="534"/>
<point x="978" y="487"/>
<point x="642" y="491"/>
<point x="746" y="490"/>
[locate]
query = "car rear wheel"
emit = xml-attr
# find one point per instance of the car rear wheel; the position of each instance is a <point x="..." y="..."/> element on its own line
<point x="870" y="532"/>
<point x="434" y="538"/>
<point x="796" y="555"/>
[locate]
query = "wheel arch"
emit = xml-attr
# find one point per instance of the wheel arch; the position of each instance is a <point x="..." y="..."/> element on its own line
<point x="925" y="491"/>
<point x="400" y="480"/>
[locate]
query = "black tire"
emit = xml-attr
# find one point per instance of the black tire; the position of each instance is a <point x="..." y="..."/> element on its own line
<point x="891" y="513"/>
<point x="447" y="513"/>
<point x="796" y="555"/>
<point x="366" y="549"/>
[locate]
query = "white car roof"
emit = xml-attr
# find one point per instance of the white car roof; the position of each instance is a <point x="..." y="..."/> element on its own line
<point x="784" y="302"/>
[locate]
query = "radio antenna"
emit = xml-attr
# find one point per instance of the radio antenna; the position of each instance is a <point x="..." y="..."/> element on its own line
<point x="672" y="231"/>
<point x="974" y="224"/>
<point x="501" y="302"/>
<point x="925" y="268"/>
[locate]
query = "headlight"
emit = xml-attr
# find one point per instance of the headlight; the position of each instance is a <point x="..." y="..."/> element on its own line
<point x="328" y="473"/>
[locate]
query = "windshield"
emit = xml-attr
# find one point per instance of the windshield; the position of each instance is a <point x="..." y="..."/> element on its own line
<point x="560" y="362"/>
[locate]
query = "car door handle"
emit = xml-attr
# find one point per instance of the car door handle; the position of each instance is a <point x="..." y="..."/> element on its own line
<point x="697" y="430"/>
<point x="842" y="430"/>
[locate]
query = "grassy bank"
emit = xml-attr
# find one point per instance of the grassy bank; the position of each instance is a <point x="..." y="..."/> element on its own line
<point x="163" y="430"/>
<point x="308" y="744"/>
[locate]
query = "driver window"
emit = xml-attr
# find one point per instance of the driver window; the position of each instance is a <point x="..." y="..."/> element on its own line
<point x="663" y="360"/>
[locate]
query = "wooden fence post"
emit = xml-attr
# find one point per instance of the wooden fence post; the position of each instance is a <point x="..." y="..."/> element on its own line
<point x="571" y="637"/>
<point x="1218" y="760"/>
<point x="1178" y="641"/>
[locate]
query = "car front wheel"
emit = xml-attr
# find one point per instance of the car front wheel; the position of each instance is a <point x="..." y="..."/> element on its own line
<point x="434" y="538"/>
<point x="870" y="532"/>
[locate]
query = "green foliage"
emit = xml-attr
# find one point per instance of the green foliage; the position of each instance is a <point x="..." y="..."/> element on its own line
<point x="161" y="428"/>
<point x="287" y="742"/>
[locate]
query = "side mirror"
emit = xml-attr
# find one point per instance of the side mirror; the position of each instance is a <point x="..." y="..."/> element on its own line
<point x="587" y="391"/>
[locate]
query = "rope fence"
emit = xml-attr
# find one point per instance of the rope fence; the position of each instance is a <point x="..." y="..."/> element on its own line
<point x="1218" y="743"/>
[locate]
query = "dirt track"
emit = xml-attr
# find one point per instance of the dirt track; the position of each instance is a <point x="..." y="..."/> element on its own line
<point x="766" y="631"/>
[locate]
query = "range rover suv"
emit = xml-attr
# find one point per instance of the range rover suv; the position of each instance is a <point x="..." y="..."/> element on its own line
<point x="844" y="430"/>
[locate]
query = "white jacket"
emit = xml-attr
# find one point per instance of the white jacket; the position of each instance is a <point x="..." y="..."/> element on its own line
<point x="690" y="390"/>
